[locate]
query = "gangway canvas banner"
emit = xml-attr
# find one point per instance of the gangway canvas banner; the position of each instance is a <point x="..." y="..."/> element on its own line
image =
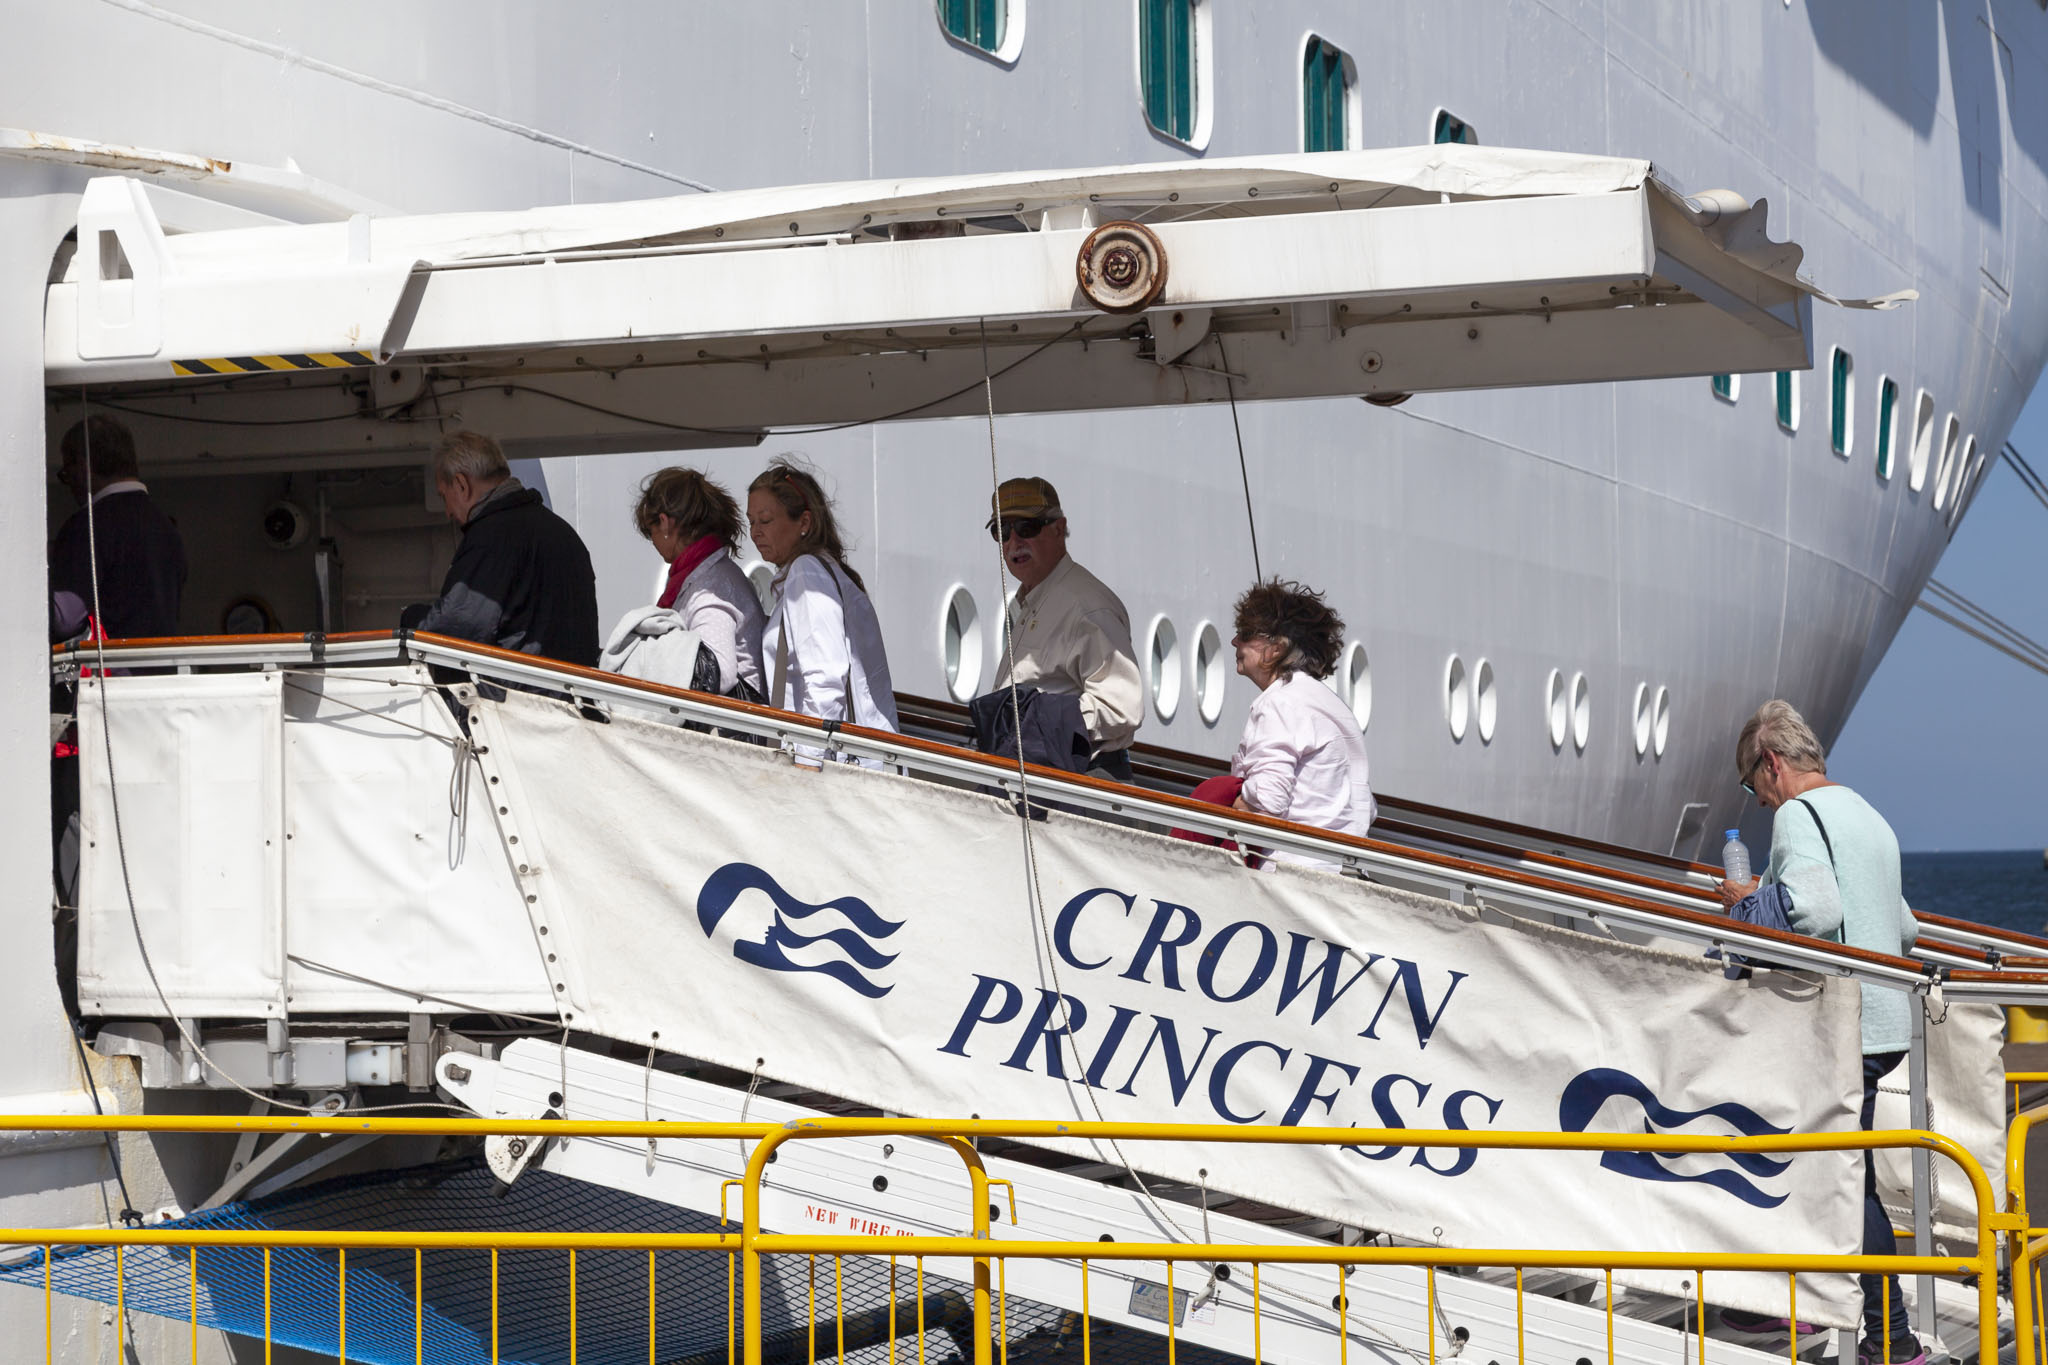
<point x="872" y="936"/>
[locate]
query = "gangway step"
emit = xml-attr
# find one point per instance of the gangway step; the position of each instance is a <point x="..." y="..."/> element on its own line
<point x="906" y="1187"/>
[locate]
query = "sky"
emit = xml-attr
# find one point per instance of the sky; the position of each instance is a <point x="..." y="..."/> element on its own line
<point x="1950" y="738"/>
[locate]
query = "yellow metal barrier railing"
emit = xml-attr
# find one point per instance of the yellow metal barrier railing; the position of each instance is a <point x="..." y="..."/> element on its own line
<point x="984" y="1320"/>
<point x="2027" y="1245"/>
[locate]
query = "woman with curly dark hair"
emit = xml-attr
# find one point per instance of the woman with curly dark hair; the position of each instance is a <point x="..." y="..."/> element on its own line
<point x="1302" y="756"/>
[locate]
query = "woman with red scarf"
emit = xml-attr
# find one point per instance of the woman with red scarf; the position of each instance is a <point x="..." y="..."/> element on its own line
<point x="694" y="525"/>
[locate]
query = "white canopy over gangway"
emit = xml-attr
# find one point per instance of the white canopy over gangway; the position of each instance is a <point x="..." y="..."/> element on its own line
<point x="709" y="319"/>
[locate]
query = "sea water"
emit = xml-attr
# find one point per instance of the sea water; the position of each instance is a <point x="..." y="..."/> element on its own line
<point x="2005" y="888"/>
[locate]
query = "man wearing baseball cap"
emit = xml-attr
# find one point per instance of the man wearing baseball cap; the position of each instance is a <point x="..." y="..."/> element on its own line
<point x="1071" y="634"/>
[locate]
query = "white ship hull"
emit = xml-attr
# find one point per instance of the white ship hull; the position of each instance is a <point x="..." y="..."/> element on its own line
<point x="1645" y="536"/>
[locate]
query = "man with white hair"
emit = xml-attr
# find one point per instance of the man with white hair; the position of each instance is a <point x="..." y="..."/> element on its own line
<point x="521" y="578"/>
<point x="1069" y="634"/>
<point x="1839" y="862"/>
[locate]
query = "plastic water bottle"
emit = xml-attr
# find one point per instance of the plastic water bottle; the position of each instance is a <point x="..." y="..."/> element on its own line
<point x="1735" y="859"/>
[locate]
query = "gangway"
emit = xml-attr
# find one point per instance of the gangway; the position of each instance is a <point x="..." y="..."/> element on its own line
<point x="404" y="858"/>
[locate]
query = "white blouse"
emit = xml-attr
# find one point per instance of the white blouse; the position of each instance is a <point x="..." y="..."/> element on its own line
<point x="718" y="603"/>
<point x="833" y="642"/>
<point x="1302" y="758"/>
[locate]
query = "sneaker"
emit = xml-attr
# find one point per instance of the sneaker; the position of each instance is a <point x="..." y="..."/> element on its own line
<point x="1868" y="1355"/>
<point x="1757" y="1324"/>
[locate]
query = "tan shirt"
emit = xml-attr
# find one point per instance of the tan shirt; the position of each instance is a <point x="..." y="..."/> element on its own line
<point x="1073" y="638"/>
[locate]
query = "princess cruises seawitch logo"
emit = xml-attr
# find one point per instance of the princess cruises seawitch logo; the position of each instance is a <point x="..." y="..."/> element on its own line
<point x="844" y="951"/>
<point x="1590" y="1091"/>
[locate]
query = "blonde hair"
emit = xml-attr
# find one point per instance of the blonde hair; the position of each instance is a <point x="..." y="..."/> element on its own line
<point x="471" y="454"/>
<point x="1779" y="728"/>
<point x="798" y="490"/>
<point x="688" y="497"/>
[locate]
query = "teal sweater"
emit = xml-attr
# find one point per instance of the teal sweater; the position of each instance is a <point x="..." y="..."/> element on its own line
<point x="1857" y="902"/>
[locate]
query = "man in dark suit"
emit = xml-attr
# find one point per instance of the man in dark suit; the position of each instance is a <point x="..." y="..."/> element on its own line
<point x="521" y="578"/>
<point x="141" y="556"/>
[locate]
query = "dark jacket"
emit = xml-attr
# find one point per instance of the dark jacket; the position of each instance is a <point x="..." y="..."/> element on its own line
<point x="521" y="579"/>
<point x="1054" y="734"/>
<point x="142" y="565"/>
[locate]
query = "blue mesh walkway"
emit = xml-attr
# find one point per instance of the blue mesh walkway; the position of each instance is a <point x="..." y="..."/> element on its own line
<point x="691" y="1294"/>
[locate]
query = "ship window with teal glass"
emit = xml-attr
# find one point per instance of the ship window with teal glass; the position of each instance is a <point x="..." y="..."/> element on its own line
<point x="1166" y="65"/>
<point x="1887" y="422"/>
<point x="1727" y="387"/>
<point x="1451" y="128"/>
<point x="1841" y="402"/>
<point x="1788" y="400"/>
<point x="977" y="23"/>
<point x="1327" y="80"/>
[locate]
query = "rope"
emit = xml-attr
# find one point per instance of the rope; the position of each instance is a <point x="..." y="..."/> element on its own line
<point x="2026" y="472"/>
<point x="647" y="1102"/>
<point x="1243" y="473"/>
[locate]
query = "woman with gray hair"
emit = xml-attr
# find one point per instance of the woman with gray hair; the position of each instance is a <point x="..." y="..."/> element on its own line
<point x="1839" y="862"/>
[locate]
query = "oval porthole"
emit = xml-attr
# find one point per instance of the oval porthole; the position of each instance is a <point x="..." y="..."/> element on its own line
<point x="1641" y="719"/>
<point x="1660" y="721"/>
<point x="1457" y="697"/>
<point x="1945" y="471"/>
<point x="1582" y="711"/>
<point x="960" y="651"/>
<point x="1162" y="654"/>
<point x="1357" y="674"/>
<point x="1485" y="700"/>
<point x="762" y="575"/>
<point x="1210" y="675"/>
<point x="1556" y="713"/>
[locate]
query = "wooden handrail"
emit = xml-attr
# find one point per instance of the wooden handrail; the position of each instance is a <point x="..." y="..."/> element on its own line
<point x="999" y="768"/>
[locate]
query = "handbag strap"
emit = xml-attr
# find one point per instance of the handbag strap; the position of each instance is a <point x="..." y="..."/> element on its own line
<point x="1826" y="842"/>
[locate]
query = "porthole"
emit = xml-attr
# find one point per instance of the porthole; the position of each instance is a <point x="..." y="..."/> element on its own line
<point x="1887" y="425"/>
<point x="1923" y="441"/>
<point x="1211" y="675"/>
<point x="1457" y="697"/>
<point x="1945" y="472"/>
<point x="1556" y="711"/>
<point x="1485" y="700"/>
<point x="1582" y="711"/>
<point x="1356" y="671"/>
<point x="1641" y="714"/>
<point x="1660" y="721"/>
<point x="1842" y="403"/>
<point x="960" y="648"/>
<point x="762" y="575"/>
<point x="1162" y="656"/>
<point x="1788" y="401"/>
<point x="1972" y="472"/>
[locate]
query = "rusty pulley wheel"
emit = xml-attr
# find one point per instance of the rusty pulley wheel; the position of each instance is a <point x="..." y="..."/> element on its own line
<point x="1122" y="267"/>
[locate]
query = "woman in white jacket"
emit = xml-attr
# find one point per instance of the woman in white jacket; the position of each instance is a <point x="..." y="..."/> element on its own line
<point x="1302" y="756"/>
<point x="823" y="646"/>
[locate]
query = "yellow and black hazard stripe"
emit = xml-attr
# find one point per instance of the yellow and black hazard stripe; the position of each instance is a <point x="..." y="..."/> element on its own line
<point x="259" y="364"/>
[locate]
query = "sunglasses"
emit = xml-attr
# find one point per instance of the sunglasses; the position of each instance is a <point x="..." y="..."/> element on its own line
<point x="1024" y="528"/>
<point x="1750" y="772"/>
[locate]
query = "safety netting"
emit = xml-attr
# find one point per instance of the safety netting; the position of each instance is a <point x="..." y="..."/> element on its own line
<point x="813" y="1308"/>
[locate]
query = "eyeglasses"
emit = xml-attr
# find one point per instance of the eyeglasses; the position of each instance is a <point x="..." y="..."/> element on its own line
<point x="1750" y="771"/>
<point x="1024" y="528"/>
